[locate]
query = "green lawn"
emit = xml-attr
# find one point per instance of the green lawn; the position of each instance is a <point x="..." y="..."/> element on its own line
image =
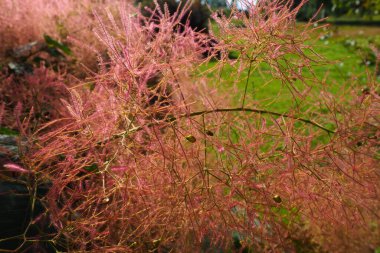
<point x="336" y="68"/>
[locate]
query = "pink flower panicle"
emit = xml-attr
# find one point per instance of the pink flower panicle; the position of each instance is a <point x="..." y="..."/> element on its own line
<point x="16" y="168"/>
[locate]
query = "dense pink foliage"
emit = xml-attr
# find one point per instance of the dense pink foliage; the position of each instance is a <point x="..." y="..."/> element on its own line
<point x="25" y="21"/>
<point x="34" y="97"/>
<point x="160" y="156"/>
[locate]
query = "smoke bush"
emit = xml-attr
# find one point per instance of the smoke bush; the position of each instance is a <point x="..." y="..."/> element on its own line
<point x="161" y="156"/>
<point x="33" y="96"/>
<point x="22" y="22"/>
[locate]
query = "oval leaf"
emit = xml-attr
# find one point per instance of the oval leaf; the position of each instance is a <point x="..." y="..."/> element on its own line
<point x="277" y="199"/>
<point x="191" y="138"/>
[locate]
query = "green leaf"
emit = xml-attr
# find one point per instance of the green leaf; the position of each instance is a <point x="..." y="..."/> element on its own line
<point x="171" y="118"/>
<point x="236" y="240"/>
<point x="277" y="199"/>
<point x="92" y="168"/>
<point x="366" y="90"/>
<point x="38" y="59"/>
<point x="209" y="133"/>
<point x="233" y="55"/>
<point x="8" y="131"/>
<point x="90" y="86"/>
<point x="52" y="51"/>
<point x="52" y="43"/>
<point x="191" y="138"/>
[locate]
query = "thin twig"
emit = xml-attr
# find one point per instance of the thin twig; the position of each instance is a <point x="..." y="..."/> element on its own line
<point x="204" y="112"/>
<point x="247" y="82"/>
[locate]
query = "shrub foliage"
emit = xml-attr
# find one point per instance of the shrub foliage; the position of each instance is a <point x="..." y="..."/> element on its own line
<point x="160" y="155"/>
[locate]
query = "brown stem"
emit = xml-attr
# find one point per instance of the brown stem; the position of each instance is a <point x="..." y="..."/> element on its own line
<point x="204" y="112"/>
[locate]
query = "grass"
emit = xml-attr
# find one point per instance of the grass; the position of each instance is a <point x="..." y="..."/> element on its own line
<point x="337" y="67"/>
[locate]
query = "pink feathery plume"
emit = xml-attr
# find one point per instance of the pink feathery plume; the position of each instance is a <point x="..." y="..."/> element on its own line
<point x="16" y="168"/>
